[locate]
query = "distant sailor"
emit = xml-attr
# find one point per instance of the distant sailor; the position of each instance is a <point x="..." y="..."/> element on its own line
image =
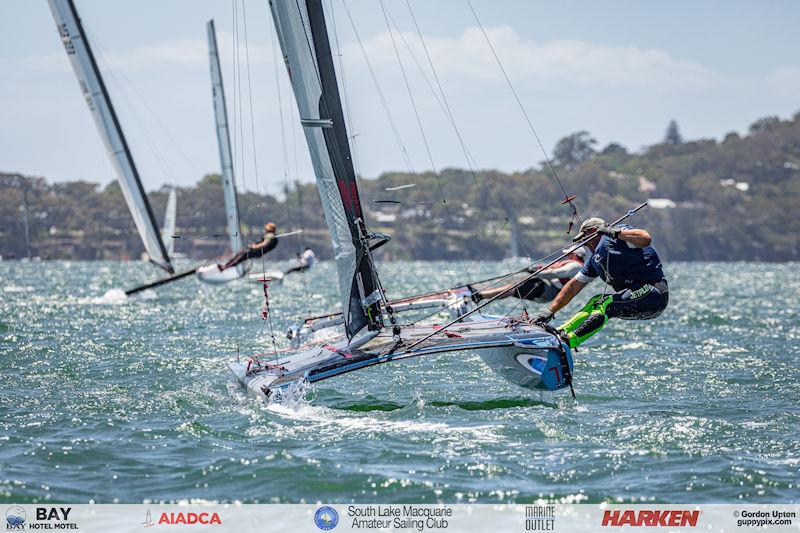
<point x="546" y="285"/>
<point x="305" y="261"/>
<point x="267" y="243"/>
<point x="625" y="259"/>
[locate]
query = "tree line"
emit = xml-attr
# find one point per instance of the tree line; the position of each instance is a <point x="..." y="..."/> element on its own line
<point x="735" y="199"/>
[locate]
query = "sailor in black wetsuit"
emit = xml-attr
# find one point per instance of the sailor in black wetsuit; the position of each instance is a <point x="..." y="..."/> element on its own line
<point x="625" y="259"/>
<point x="255" y="249"/>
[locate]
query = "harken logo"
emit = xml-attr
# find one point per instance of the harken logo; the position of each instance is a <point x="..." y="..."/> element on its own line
<point x="651" y="518"/>
<point x="15" y="517"/>
<point x="326" y="518"/>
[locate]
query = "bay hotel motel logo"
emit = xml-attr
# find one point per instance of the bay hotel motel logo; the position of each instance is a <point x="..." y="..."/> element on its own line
<point x="46" y="518"/>
<point x="15" y="518"/>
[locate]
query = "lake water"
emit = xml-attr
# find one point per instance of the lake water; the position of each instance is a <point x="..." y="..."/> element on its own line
<point x="114" y="400"/>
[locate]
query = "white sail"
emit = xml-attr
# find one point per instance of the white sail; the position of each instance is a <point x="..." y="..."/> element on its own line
<point x="224" y="141"/>
<point x="99" y="102"/>
<point x="168" y="231"/>
<point x="303" y="37"/>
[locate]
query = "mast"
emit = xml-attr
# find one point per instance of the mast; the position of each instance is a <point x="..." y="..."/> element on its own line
<point x="224" y="141"/>
<point x="303" y="36"/>
<point x="170" y="216"/>
<point x="97" y="98"/>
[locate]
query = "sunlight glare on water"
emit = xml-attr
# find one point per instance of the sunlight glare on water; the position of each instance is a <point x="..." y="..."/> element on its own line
<point x="108" y="398"/>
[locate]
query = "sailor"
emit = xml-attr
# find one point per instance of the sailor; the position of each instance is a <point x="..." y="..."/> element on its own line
<point x="305" y="261"/>
<point x="255" y="249"/>
<point x="626" y="260"/>
<point x="547" y="283"/>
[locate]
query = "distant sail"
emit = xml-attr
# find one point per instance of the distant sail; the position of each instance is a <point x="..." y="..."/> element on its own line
<point x="168" y="230"/>
<point x="96" y="96"/>
<point x="300" y="25"/>
<point x="224" y="141"/>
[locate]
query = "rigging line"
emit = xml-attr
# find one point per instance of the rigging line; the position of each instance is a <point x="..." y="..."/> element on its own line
<point x="348" y="113"/>
<point x="255" y="154"/>
<point x="450" y="115"/>
<point x="234" y="162"/>
<point x="436" y="96"/>
<point x="421" y="128"/>
<point x="396" y="131"/>
<point x="531" y="275"/>
<point x="123" y="83"/>
<point x="382" y="98"/>
<point x="239" y="124"/>
<point x="121" y="91"/>
<point x="481" y="190"/>
<point x="285" y="150"/>
<point x="567" y="198"/>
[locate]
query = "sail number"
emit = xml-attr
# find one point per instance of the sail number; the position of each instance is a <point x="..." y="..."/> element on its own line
<point x="65" y="38"/>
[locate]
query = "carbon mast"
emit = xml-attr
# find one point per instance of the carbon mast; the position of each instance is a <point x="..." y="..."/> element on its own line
<point x="224" y="142"/>
<point x="97" y="98"/>
<point x="303" y="37"/>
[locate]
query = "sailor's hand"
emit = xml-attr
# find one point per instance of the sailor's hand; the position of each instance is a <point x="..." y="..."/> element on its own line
<point x="543" y="317"/>
<point x="608" y="231"/>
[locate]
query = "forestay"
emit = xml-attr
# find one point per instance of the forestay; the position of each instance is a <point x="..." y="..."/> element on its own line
<point x="97" y="98"/>
<point x="303" y="37"/>
<point x="224" y="142"/>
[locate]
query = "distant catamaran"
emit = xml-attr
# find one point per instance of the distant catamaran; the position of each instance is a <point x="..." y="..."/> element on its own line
<point x="159" y="244"/>
<point x="99" y="102"/>
<point x="210" y="273"/>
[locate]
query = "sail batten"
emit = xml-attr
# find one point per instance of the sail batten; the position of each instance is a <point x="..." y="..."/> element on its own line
<point x="97" y="98"/>
<point x="224" y="142"/>
<point x="303" y="38"/>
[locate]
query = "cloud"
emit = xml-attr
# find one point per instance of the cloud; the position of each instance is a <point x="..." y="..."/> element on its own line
<point x="187" y="54"/>
<point x="785" y="79"/>
<point x="569" y="61"/>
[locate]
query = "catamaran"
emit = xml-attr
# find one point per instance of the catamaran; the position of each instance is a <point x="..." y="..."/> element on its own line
<point x="211" y="273"/>
<point x="159" y="245"/>
<point x="524" y="354"/>
<point x="97" y="98"/>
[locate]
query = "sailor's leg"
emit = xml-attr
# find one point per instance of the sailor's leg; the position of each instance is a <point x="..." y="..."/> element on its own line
<point x="588" y="320"/>
<point x="578" y="318"/>
<point x="641" y="304"/>
<point x="235" y="260"/>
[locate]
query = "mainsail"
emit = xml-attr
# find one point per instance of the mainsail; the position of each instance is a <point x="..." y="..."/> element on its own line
<point x="303" y="37"/>
<point x="224" y="141"/>
<point x="96" y="96"/>
<point x="170" y="215"/>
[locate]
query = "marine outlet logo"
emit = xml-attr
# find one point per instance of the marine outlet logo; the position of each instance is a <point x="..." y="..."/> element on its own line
<point x="15" y="518"/>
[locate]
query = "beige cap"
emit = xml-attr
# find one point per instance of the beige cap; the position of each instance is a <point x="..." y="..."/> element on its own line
<point x="587" y="228"/>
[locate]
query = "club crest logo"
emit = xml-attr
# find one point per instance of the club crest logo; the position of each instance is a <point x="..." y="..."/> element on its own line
<point x="326" y="518"/>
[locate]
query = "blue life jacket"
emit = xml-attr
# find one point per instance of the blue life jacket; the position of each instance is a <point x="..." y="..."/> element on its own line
<point x="622" y="265"/>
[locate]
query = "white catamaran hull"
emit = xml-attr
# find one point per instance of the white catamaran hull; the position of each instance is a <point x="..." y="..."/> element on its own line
<point x="212" y="275"/>
<point x="524" y="355"/>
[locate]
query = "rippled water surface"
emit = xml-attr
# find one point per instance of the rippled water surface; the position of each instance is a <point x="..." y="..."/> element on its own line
<point x="106" y="399"/>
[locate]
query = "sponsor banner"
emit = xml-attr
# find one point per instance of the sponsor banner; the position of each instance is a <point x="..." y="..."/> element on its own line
<point x="408" y="518"/>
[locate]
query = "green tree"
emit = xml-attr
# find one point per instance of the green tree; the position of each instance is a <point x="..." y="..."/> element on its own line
<point x="673" y="135"/>
<point x="574" y="149"/>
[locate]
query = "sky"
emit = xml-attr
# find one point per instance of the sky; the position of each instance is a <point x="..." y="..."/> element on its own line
<point x="619" y="69"/>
